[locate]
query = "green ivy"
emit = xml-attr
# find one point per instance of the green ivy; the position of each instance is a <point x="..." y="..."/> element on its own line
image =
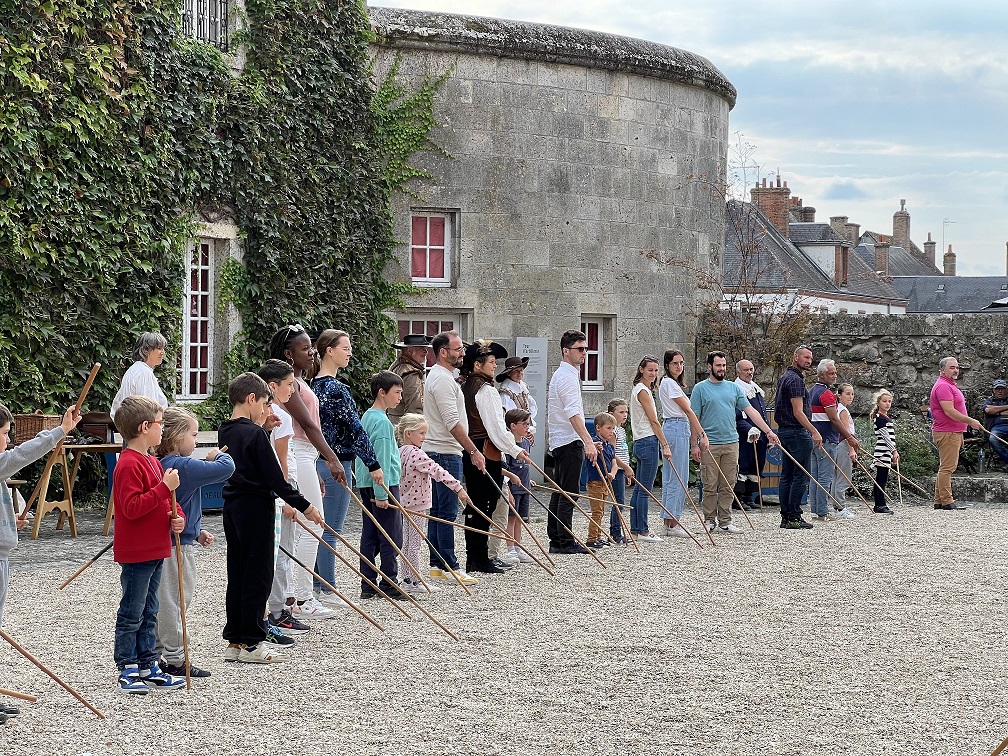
<point x="117" y="132"/>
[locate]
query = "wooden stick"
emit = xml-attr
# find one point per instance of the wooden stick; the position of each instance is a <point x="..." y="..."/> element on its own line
<point x="910" y="483"/>
<point x="49" y="672"/>
<point x="875" y="483"/>
<point x="996" y="751"/>
<point x="807" y="473"/>
<point x="384" y="532"/>
<point x="515" y="542"/>
<point x="573" y="501"/>
<point x="15" y="694"/>
<point x="549" y="514"/>
<point x="460" y="526"/>
<point x="674" y="518"/>
<point x="54" y="454"/>
<point x="345" y="561"/>
<point x="87" y="564"/>
<point x="759" y="476"/>
<point x="899" y="483"/>
<point x="328" y="585"/>
<point x="623" y="523"/>
<point x="181" y="591"/>
<point x="851" y="482"/>
<point x="532" y="535"/>
<point x="423" y="535"/>
<point x="731" y="487"/>
<point x="685" y="489"/>
<point x="580" y="495"/>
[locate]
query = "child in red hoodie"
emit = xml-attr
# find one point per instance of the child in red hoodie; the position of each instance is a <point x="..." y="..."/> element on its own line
<point x="142" y="496"/>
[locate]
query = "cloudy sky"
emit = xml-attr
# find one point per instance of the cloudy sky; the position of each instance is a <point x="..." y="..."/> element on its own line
<point x="858" y="105"/>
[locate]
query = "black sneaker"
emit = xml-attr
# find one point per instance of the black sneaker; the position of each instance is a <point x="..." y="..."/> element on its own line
<point x="178" y="670"/>
<point x="883" y="510"/>
<point x="367" y="592"/>
<point x="286" y="622"/>
<point x="10" y="711"/>
<point x="501" y="564"/>
<point x="393" y="591"/>
<point x="488" y="567"/>
<point x="798" y="524"/>
<point x="596" y="544"/>
<point x="275" y="637"/>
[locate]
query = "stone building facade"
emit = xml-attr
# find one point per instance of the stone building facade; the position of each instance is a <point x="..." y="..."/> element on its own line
<point x="571" y="155"/>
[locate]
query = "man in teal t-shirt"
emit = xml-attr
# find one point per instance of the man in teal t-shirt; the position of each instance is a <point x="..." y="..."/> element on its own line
<point x="714" y="402"/>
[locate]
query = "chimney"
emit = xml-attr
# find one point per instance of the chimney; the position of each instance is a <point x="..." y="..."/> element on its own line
<point x="774" y="201"/>
<point x="882" y="258"/>
<point x="852" y="231"/>
<point x="950" y="262"/>
<point x="901" y="227"/>
<point x="929" y="249"/>
<point x="841" y="255"/>
<point x="838" y="223"/>
<point x="806" y="214"/>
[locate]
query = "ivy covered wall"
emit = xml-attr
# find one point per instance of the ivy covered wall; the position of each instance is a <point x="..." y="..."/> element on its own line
<point x="117" y="132"/>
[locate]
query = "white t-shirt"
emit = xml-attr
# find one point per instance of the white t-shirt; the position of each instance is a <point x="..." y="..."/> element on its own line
<point x="668" y="391"/>
<point x="282" y="431"/>
<point x="139" y="380"/>
<point x="639" y="423"/>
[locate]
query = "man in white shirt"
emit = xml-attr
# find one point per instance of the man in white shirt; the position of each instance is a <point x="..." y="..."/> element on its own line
<point x="569" y="441"/>
<point x="447" y="440"/>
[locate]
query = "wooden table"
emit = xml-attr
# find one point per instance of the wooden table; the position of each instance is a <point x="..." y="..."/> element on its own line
<point x="64" y="506"/>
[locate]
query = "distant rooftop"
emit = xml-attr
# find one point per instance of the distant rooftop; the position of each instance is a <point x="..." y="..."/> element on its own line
<point x="947" y="294"/>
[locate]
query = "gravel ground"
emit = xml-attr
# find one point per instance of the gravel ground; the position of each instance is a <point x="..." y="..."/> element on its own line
<point x="881" y="635"/>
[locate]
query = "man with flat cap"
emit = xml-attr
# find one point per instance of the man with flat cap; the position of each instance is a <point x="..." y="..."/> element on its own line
<point x="411" y="366"/>
<point x="995" y="409"/>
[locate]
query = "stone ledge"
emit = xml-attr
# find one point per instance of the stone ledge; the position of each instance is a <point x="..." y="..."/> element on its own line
<point x="987" y="488"/>
<point x="399" y="28"/>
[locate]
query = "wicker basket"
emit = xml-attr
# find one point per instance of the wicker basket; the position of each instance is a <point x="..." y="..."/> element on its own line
<point x="26" y="427"/>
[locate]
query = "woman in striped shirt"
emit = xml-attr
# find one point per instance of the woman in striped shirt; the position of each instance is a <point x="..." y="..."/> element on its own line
<point x="885" y="454"/>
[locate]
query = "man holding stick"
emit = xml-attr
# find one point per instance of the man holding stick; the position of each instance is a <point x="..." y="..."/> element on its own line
<point x="797" y="437"/>
<point x="569" y="441"/>
<point x="826" y="419"/>
<point x="948" y="407"/>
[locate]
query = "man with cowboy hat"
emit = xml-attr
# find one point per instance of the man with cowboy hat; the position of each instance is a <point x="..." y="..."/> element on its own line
<point x="411" y="366"/>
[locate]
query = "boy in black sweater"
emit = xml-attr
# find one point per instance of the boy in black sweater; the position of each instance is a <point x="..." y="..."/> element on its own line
<point x="248" y="520"/>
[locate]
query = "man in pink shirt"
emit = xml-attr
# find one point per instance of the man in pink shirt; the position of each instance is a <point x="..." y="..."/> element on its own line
<point x="948" y="408"/>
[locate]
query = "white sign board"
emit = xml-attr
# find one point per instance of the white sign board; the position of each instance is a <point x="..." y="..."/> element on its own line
<point x="537" y="376"/>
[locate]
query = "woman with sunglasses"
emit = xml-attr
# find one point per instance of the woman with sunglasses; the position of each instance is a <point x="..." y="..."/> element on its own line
<point x="648" y="440"/>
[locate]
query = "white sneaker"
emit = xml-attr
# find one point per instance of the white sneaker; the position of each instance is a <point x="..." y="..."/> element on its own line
<point x="465" y="577"/>
<point x="332" y="601"/>
<point x="648" y="538"/>
<point x="415" y="588"/>
<point x="261" y="654"/>
<point x="731" y="527"/>
<point x="523" y="557"/>
<point x="677" y="532"/>
<point x="312" y="609"/>
<point x="511" y="557"/>
<point x="707" y="528"/>
<point x="847" y="513"/>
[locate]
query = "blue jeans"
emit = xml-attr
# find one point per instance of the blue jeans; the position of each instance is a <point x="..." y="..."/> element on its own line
<point x="646" y="451"/>
<point x="619" y="490"/>
<point x="136" y="620"/>
<point x="793" y="482"/>
<point x="677" y="433"/>
<point x="822" y="469"/>
<point x="1000" y="447"/>
<point x="334" y="508"/>
<point x="445" y="504"/>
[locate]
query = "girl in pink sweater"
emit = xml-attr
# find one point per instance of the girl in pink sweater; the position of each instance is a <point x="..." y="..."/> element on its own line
<point x="415" y="492"/>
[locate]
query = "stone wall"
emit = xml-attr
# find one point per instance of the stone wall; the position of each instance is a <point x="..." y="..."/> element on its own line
<point x="571" y="154"/>
<point x="901" y="353"/>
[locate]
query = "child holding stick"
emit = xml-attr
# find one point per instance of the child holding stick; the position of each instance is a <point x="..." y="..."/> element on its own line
<point x="142" y="496"/>
<point x="416" y="492"/>
<point x="885" y="454"/>
<point x="598" y="489"/>
<point x="516" y="470"/>
<point x="178" y="442"/>
<point x="620" y="411"/>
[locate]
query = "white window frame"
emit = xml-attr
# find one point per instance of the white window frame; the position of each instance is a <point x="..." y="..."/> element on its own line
<point x="413" y="318"/>
<point x="599" y="383"/>
<point x="449" y="246"/>
<point x="185" y="364"/>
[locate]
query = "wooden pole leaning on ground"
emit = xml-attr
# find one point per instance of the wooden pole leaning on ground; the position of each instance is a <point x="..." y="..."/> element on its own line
<point x="181" y="591"/>
<point x="759" y="476"/>
<point x="851" y="483"/>
<point x="899" y="482"/>
<point x="329" y="585"/>
<point x="563" y="525"/>
<point x="689" y="496"/>
<point x="808" y="474"/>
<point x="59" y="447"/>
<point x="550" y="489"/>
<point x="675" y="519"/>
<point x="996" y="751"/>
<point x="87" y="564"/>
<point x="15" y="694"/>
<point x="875" y="483"/>
<point x="384" y="532"/>
<point x="731" y="487"/>
<point x="612" y="492"/>
<point x="345" y="561"/>
<point x="423" y="535"/>
<point x="573" y="501"/>
<point x="460" y="526"/>
<point x="910" y="483"/>
<point x="517" y="545"/>
<point x="44" y="668"/>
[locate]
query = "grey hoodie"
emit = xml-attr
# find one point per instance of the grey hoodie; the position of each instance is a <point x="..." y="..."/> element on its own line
<point x="10" y="462"/>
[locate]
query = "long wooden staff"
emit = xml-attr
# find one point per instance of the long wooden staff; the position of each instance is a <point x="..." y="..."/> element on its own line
<point x="15" y="694"/>
<point x="504" y="531"/>
<point x="623" y="523"/>
<point x="87" y="564"/>
<point x="996" y="751"/>
<point x="577" y="506"/>
<point x="347" y="562"/>
<point x="731" y="487"/>
<point x="570" y="532"/>
<point x="181" y="591"/>
<point x="910" y="483"/>
<point x="55" y="453"/>
<point x="374" y="566"/>
<point x="422" y="535"/>
<point x="460" y="526"/>
<point x="329" y="585"/>
<point x="808" y="474"/>
<point x="851" y="482"/>
<point x="585" y="496"/>
<point x="49" y="672"/>
<point x="759" y="476"/>
<point x="674" y="518"/>
<point x="696" y="509"/>
<point x="384" y="532"/>
<point x="899" y="482"/>
<point x="871" y="477"/>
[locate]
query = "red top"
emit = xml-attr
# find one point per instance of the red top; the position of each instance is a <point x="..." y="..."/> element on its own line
<point x="142" y="509"/>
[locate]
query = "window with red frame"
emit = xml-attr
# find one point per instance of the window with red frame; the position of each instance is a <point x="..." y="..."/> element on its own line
<point x="591" y="370"/>
<point x="430" y="249"/>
